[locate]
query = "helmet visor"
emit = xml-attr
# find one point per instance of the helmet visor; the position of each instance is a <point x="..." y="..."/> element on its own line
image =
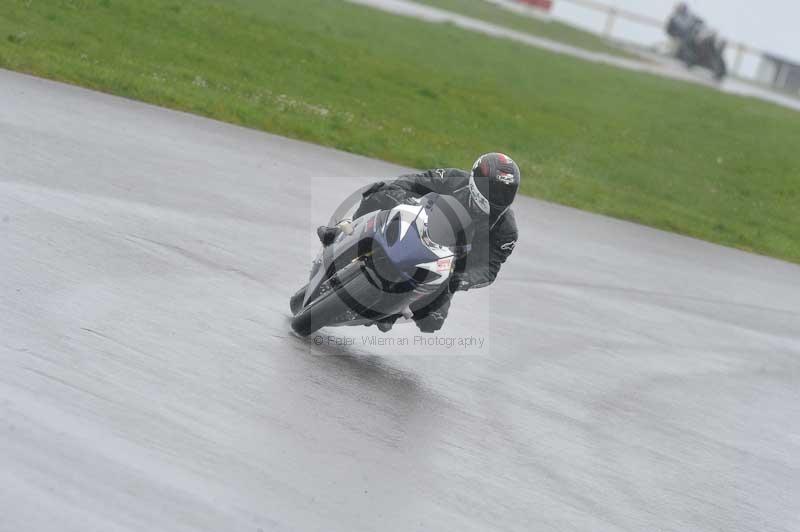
<point x="480" y="200"/>
<point x="483" y="202"/>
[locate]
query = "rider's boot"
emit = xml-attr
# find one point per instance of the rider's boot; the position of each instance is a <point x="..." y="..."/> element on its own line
<point x="385" y="325"/>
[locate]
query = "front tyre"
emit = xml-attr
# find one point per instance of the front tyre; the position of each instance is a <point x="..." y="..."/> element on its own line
<point x="344" y="295"/>
<point x="719" y="69"/>
<point x="296" y="301"/>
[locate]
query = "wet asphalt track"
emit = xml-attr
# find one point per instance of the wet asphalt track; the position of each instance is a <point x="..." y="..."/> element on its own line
<point x="629" y="379"/>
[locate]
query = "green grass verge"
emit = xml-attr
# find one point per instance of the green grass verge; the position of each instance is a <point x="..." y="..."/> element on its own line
<point x="664" y="153"/>
<point x="548" y="29"/>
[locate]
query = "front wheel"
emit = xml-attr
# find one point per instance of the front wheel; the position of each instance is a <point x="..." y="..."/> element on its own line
<point x="296" y="301"/>
<point x="718" y="66"/>
<point x="343" y="295"/>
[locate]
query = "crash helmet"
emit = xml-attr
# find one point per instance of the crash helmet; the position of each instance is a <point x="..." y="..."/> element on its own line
<point x="493" y="183"/>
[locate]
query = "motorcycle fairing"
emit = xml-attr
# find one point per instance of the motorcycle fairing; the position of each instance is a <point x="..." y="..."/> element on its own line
<point x="395" y="252"/>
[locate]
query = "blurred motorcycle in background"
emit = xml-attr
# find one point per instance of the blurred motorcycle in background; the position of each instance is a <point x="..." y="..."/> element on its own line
<point x="696" y="43"/>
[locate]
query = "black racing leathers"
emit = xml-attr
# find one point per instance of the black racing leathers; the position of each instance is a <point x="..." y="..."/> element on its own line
<point x="494" y="240"/>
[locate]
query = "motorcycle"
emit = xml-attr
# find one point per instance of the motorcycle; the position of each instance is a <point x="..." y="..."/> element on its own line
<point x="389" y="263"/>
<point x="702" y="47"/>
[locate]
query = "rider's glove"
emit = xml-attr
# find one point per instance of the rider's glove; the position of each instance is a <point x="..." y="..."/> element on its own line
<point x="346" y="225"/>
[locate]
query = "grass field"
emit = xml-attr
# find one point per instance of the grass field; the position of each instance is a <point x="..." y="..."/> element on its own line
<point x="552" y="29"/>
<point x="660" y="152"/>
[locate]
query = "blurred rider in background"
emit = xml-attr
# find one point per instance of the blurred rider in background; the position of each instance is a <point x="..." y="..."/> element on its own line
<point x="683" y="24"/>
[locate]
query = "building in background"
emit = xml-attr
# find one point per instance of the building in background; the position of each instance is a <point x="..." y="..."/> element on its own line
<point x="779" y="73"/>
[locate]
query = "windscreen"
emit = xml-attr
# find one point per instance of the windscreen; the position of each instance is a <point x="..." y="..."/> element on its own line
<point x="449" y="223"/>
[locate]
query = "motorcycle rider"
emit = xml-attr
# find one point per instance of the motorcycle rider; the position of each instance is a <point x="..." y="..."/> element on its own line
<point x="486" y="192"/>
<point x="697" y="44"/>
<point x="684" y="25"/>
<point x="682" y="22"/>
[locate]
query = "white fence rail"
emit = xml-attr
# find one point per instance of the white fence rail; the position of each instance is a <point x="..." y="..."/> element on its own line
<point x="737" y="53"/>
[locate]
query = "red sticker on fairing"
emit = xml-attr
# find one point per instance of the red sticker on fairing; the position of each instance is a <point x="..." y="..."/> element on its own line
<point x="443" y="265"/>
